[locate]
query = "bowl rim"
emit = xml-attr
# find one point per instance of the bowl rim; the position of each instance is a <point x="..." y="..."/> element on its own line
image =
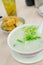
<point x="39" y="12"/>
<point x="33" y="52"/>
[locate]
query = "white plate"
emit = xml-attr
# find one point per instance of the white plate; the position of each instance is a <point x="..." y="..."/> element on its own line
<point x="28" y="60"/>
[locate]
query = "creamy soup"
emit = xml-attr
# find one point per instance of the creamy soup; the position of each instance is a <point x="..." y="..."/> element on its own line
<point x="25" y="39"/>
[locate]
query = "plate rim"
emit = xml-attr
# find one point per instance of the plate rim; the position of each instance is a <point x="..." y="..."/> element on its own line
<point x="28" y="62"/>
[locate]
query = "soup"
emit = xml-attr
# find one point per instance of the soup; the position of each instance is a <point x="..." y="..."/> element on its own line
<point x="26" y="39"/>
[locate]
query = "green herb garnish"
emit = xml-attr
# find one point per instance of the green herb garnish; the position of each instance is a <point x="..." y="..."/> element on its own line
<point x="14" y="45"/>
<point x="30" y="33"/>
<point x="19" y="40"/>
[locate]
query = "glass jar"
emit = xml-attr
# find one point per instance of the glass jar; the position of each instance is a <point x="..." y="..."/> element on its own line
<point x="10" y="6"/>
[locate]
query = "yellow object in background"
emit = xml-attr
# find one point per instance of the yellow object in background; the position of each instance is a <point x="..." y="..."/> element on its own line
<point x="11" y="22"/>
<point x="10" y="6"/>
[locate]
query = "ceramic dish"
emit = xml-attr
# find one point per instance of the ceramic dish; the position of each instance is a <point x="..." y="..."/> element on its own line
<point x="22" y="19"/>
<point x="11" y="41"/>
<point x="27" y="60"/>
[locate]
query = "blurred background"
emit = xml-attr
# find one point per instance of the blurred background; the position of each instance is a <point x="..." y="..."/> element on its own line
<point x="22" y="8"/>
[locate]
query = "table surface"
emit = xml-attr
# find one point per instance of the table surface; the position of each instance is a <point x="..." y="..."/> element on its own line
<point x="31" y="16"/>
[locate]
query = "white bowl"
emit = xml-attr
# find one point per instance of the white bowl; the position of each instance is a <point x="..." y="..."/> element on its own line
<point x="25" y="54"/>
<point x="40" y="10"/>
